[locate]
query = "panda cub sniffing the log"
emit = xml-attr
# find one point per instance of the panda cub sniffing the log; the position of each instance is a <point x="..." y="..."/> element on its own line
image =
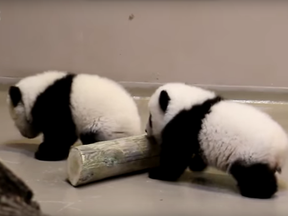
<point x="65" y="106"/>
<point x="197" y="128"/>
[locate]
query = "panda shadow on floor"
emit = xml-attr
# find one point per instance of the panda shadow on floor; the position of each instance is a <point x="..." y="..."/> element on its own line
<point x="216" y="181"/>
<point x="210" y="180"/>
<point x="27" y="148"/>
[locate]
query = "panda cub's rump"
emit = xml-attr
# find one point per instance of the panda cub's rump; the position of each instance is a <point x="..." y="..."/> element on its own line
<point x="197" y="128"/>
<point x="103" y="107"/>
<point x="65" y="106"/>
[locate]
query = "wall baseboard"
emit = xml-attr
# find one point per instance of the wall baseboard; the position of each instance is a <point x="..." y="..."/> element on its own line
<point x="154" y="85"/>
<point x="249" y="94"/>
<point x="8" y="80"/>
<point x="148" y="85"/>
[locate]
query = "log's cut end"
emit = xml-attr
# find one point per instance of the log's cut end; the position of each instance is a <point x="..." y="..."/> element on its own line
<point x="74" y="166"/>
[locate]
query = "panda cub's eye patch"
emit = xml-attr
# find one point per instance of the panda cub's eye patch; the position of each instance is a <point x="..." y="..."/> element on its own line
<point x="15" y="95"/>
<point x="150" y="120"/>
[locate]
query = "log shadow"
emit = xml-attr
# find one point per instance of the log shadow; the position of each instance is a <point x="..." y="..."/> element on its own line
<point x="25" y="148"/>
<point x="110" y="179"/>
<point x="211" y="181"/>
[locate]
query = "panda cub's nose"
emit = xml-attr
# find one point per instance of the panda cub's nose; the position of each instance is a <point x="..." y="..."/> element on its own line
<point x="145" y="130"/>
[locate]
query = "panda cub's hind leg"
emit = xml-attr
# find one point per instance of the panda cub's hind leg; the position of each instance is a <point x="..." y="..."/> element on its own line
<point x="197" y="164"/>
<point x="90" y="137"/>
<point x="255" y="180"/>
<point x="93" y="136"/>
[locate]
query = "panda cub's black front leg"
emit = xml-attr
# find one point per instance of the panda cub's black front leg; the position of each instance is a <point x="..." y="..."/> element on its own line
<point x="55" y="148"/>
<point x="161" y="173"/>
<point x="167" y="172"/>
<point x="197" y="164"/>
<point x="173" y="163"/>
<point x="46" y="152"/>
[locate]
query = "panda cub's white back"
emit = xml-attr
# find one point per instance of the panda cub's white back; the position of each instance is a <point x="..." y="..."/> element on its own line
<point x="198" y="128"/>
<point x="103" y="105"/>
<point x="233" y="131"/>
<point x="65" y="107"/>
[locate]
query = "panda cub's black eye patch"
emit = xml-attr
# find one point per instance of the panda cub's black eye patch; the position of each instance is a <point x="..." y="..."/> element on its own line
<point x="164" y="100"/>
<point x="150" y="120"/>
<point x="15" y="95"/>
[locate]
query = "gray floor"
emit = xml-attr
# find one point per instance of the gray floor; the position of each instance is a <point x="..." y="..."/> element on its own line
<point x="212" y="193"/>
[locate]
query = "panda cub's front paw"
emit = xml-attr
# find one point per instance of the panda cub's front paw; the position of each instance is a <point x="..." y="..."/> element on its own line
<point x="49" y="156"/>
<point x="39" y="156"/>
<point x="197" y="164"/>
<point x="155" y="173"/>
<point x="160" y="174"/>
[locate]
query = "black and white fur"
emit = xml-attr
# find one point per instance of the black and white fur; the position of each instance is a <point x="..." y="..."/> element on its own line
<point x="65" y="106"/>
<point x="197" y="128"/>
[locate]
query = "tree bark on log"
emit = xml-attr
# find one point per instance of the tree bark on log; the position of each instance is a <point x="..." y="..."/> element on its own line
<point x="16" y="196"/>
<point x="88" y="163"/>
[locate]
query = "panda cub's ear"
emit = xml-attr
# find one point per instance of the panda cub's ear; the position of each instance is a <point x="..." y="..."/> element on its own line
<point x="164" y="100"/>
<point x="15" y="95"/>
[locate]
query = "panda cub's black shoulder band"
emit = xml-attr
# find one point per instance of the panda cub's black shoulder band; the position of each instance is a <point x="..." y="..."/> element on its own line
<point x="215" y="100"/>
<point x="210" y="103"/>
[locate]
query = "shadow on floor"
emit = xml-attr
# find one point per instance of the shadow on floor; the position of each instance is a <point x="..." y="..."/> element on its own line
<point x="216" y="181"/>
<point x="27" y="149"/>
<point x="210" y="180"/>
<point x="213" y="182"/>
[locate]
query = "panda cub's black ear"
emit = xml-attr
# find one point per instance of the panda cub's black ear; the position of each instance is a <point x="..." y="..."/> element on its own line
<point x="164" y="100"/>
<point x="15" y="95"/>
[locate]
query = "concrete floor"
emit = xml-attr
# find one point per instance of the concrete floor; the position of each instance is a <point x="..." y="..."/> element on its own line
<point x="211" y="193"/>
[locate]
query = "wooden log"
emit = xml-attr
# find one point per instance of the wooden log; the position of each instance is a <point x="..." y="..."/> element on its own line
<point x="89" y="163"/>
<point x="16" y="196"/>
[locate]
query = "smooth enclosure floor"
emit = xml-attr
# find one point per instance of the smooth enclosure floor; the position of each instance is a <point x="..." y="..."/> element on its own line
<point x="210" y="193"/>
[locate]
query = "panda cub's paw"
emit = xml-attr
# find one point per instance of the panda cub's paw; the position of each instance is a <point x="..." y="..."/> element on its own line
<point x="40" y="156"/>
<point x="197" y="164"/>
<point x="255" y="180"/>
<point x="160" y="174"/>
<point x="154" y="173"/>
<point x="50" y="156"/>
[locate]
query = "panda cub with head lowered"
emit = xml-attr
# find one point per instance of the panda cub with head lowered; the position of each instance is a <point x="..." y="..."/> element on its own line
<point x="65" y="106"/>
<point x="197" y="128"/>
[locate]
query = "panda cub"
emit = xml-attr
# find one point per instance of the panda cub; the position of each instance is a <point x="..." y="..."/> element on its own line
<point x="65" y="106"/>
<point x="197" y="128"/>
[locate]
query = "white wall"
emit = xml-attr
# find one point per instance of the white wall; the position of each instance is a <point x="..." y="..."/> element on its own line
<point x="207" y="42"/>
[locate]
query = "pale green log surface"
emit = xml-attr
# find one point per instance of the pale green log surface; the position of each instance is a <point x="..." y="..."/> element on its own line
<point x="88" y="163"/>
